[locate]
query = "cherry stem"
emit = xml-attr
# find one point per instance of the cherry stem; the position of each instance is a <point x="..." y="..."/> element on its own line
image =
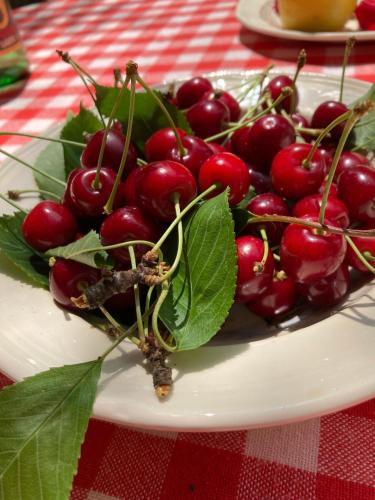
<point x="108" y="206"/>
<point x="81" y="73"/>
<point x="34" y="169"/>
<point x="155" y="317"/>
<point x="309" y="131"/>
<point x="14" y="194"/>
<point x="123" y="244"/>
<point x="96" y="183"/>
<point x="258" y="82"/>
<point x="44" y="138"/>
<point x="141" y="163"/>
<point x="348" y="48"/>
<point x="13" y="204"/>
<point x="181" y="149"/>
<point x="138" y="310"/>
<point x="306" y="162"/>
<point x="119" y="327"/>
<point x="259" y="266"/>
<point x="118" y="77"/>
<point x="289" y="119"/>
<point x="359" y="254"/>
<point x="354" y="116"/>
<point x="368" y="256"/>
<point x="177" y="259"/>
<point x="301" y="61"/>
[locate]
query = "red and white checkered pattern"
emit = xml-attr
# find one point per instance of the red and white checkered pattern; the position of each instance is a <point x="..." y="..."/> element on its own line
<point x="328" y="458"/>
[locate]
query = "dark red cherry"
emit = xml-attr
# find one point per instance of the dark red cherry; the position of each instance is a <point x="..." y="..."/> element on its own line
<point x="275" y="87"/>
<point x="260" y="143"/>
<point x="308" y="256"/>
<point x="208" y="117"/>
<point x="260" y="181"/>
<point x="160" y="143"/>
<point x="348" y="160"/>
<point x="327" y="153"/>
<point x="129" y="192"/>
<point x="156" y="185"/>
<point x="231" y="103"/>
<point x="327" y="291"/>
<point x="196" y="153"/>
<point x="335" y="211"/>
<point x="127" y="224"/>
<point x="251" y="281"/>
<point x="227" y="170"/>
<point x="217" y="148"/>
<point x="120" y="302"/>
<point x="302" y="122"/>
<point x="112" y="152"/>
<point x="86" y="198"/>
<point x="279" y="298"/>
<point x="290" y="177"/>
<point x="68" y="279"/>
<point x="67" y="200"/>
<point x="332" y="189"/>
<point x="268" y="204"/>
<point x="191" y="91"/>
<point x="325" y="113"/>
<point x="49" y="224"/>
<point x="356" y="188"/>
<point x="367" y="247"/>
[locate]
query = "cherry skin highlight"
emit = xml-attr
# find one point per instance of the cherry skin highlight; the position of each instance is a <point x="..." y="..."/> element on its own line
<point x="279" y="298"/>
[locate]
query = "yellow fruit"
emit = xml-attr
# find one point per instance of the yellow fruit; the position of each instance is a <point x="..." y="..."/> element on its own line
<point x="315" y="15"/>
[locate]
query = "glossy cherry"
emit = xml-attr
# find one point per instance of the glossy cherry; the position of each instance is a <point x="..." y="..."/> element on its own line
<point x="290" y="177"/>
<point x="227" y="170"/>
<point x="348" y="160"/>
<point x="156" y="185"/>
<point x="49" y="224"/>
<point x="332" y="190"/>
<point x="112" y="152"/>
<point x="230" y="102"/>
<point x="217" y="148"/>
<point x="327" y="291"/>
<point x="279" y="298"/>
<point x="68" y="279"/>
<point x="302" y="122"/>
<point x="356" y="188"/>
<point x="308" y="256"/>
<point x="85" y="197"/>
<point x="159" y="144"/>
<point x="275" y="87"/>
<point x="208" y="117"/>
<point x="365" y="13"/>
<point x="325" y="113"/>
<point x="127" y="224"/>
<point x="128" y="188"/>
<point x="364" y="245"/>
<point x="191" y="91"/>
<point x="196" y="153"/>
<point x="250" y="281"/>
<point x="259" y="144"/>
<point x="335" y="210"/>
<point x="260" y="181"/>
<point x="268" y="204"/>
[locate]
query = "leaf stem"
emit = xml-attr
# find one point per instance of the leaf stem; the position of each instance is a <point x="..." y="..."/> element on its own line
<point x="138" y="310"/>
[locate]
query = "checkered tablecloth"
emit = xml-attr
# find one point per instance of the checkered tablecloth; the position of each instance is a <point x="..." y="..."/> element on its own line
<point x="332" y="457"/>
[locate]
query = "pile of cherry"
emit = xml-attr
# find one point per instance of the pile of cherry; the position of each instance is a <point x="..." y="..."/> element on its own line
<point x="277" y="261"/>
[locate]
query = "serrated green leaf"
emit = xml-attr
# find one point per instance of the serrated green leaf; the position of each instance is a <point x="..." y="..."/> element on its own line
<point x="202" y="291"/>
<point x="80" y="251"/>
<point x="148" y="117"/>
<point x="51" y="161"/>
<point x="43" y="423"/>
<point x="363" y="134"/>
<point x="74" y="129"/>
<point x="18" y="251"/>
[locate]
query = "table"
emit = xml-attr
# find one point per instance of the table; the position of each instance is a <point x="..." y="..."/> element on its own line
<point x="332" y="457"/>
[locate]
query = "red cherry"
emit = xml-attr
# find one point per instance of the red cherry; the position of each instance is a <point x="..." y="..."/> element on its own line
<point x="85" y="197"/>
<point x="127" y="224"/>
<point x="217" y="148"/>
<point x="208" y="117"/>
<point x="251" y="282"/>
<point x="120" y="302"/>
<point x="129" y="190"/>
<point x="231" y="103"/>
<point x="68" y="279"/>
<point x="335" y="211"/>
<point x="196" y="153"/>
<point x="350" y="159"/>
<point x="268" y="204"/>
<point x="260" y="181"/>
<point x="325" y="113"/>
<point x="227" y="170"/>
<point x="275" y="87"/>
<point x="279" y="298"/>
<point x="302" y="122"/>
<point x="191" y="91"/>
<point x="364" y="245"/>
<point x="160" y="143"/>
<point x="49" y="224"/>
<point x="332" y="189"/>
<point x="156" y="184"/>
<point x="356" y="188"/>
<point x="327" y="291"/>
<point x="307" y="256"/>
<point x="112" y="152"/>
<point x="365" y="13"/>
<point x="290" y="178"/>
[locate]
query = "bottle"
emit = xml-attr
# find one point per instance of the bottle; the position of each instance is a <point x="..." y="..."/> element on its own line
<point x="14" y="66"/>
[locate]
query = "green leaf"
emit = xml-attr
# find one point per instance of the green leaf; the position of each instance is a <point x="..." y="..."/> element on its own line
<point x="241" y="218"/>
<point x="202" y="290"/>
<point x="97" y="258"/>
<point x="74" y="129"/>
<point x="18" y="251"/>
<point x="51" y="161"/>
<point x="148" y="117"/>
<point x="43" y="423"/>
<point x="363" y="134"/>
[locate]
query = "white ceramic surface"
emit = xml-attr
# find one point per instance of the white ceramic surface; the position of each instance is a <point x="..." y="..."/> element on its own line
<point x="260" y="16"/>
<point x="250" y="376"/>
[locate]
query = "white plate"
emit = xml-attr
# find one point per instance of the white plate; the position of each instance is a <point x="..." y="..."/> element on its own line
<point x="251" y="376"/>
<point x="260" y="16"/>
